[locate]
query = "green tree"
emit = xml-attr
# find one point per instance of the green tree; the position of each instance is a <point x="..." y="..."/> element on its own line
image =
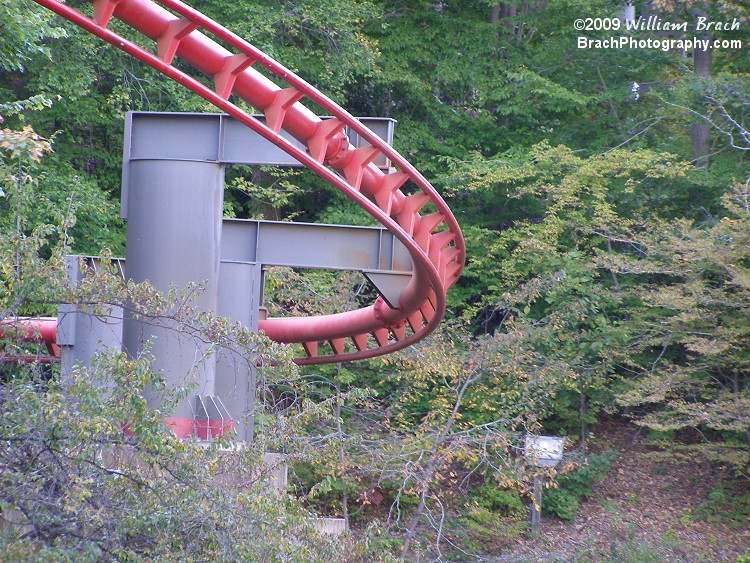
<point x="692" y="368"/>
<point x="463" y="406"/>
<point x="560" y="213"/>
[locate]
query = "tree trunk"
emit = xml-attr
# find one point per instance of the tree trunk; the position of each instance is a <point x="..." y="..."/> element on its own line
<point x="413" y="524"/>
<point x="582" y="415"/>
<point x="699" y="132"/>
<point x="342" y="453"/>
<point x="494" y="14"/>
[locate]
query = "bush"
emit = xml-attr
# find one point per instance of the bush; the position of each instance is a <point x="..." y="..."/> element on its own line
<point x="494" y="499"/>
<point x="76" y="487"/>
<point x="726" y="504"/>
<point x="490" y="519"/>
<point x="571" y="487"/>
<point x="561" y="503"/>
<point x="479" y="530"/>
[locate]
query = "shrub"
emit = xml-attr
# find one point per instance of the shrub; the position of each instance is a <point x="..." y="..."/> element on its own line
<point x="494" y="499"/>
<point x="561" y="503"/>
<point x="76" y="487"/>
<point x="563" y="500"/>
<point x="480" y="530"/>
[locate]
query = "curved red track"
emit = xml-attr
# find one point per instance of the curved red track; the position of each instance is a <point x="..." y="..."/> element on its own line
<point x="432" y="237"/>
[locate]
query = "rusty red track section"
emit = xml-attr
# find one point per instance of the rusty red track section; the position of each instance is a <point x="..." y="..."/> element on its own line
<point x="41" y="329"/>
<point x="402" y="201"/>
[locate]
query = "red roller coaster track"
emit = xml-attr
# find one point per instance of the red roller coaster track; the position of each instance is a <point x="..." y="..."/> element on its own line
<point x="402" y="201"/>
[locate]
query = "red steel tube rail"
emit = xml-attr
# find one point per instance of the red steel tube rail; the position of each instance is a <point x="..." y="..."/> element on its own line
<point x="26" y="329"/>
<point x="396" y="200"/>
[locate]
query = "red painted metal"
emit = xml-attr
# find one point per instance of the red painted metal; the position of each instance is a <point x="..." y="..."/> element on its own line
<point x="433" y="240"/>
<point x="31" y="329"/>
<point x="26" y="329"/>
<point x="202" y="429"/>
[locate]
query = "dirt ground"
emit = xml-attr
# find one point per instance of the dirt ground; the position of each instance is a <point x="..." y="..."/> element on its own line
<point x="649" y="508"/>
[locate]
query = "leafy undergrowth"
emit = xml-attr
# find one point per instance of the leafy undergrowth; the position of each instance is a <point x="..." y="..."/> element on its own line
<point x="653" y="505"/>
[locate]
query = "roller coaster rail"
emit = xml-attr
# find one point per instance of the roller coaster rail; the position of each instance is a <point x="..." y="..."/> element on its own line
<point x="403" y="201"/>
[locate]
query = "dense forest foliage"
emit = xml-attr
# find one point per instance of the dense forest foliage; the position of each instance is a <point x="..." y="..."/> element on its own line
<point x="604" y="194"/>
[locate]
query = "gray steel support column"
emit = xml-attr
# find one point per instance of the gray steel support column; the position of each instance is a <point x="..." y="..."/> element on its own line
<point x="172" y="186"/>
<point x="240" y="296"/>
<point x="174" y="228"/>
<point x="80" y="333"/>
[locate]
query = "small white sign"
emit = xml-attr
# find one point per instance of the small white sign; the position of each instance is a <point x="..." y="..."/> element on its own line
<point x="543" y="451"/>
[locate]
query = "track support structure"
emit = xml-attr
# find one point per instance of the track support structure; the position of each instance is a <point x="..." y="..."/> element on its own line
<point x="399" y="198"/>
